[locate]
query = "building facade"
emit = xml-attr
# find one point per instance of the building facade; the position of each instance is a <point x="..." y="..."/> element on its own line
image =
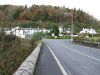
<point x="24" y="32"/>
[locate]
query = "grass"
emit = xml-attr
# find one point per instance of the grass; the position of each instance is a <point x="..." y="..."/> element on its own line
<point x="63" y="37"/>
<point x="49" y="37"/>
<point x="59" y="37"/>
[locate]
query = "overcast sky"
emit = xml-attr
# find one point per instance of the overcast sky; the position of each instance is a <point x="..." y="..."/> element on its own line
<point x="90" y="6"/>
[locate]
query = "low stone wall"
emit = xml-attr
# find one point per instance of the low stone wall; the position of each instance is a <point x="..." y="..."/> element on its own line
<point x="28" y="66"/>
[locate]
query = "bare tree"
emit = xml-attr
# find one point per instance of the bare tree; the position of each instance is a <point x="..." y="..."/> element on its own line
<point x="2" y="18"/>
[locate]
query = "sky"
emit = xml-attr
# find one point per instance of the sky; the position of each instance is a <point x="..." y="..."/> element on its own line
<point x="89" y="6"/>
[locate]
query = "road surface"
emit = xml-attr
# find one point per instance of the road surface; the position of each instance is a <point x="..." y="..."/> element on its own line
<point x="60" y="57"/>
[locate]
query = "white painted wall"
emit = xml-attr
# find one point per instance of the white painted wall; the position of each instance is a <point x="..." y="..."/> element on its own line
<point x="90" y="31"/>
<point x="23" y="32"/>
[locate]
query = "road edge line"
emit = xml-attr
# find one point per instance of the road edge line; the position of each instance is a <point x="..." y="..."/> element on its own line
<point x="58" y="62"/>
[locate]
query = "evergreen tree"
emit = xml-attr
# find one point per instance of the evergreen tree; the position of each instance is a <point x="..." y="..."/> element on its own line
<point x="55" y="30"/>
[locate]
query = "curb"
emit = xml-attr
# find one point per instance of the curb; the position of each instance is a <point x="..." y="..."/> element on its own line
<point x="28" y="66"/>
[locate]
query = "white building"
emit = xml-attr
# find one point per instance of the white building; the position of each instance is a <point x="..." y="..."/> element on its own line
<point x="63" y="30"/>
<point x="89" y="31"/>
<point x="24" y="32"/>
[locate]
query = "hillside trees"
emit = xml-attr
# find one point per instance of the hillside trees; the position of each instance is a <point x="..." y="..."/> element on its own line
<point x="46" y="14"/>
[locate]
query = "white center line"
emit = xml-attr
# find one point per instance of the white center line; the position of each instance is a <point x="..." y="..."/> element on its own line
<point x="58" y="62"/>
<point x="81" y="53"/>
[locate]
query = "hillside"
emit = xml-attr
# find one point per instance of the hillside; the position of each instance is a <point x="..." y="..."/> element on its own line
<point x="45" y="16"/>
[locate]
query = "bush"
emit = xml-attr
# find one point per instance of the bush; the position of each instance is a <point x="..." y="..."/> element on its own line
<point x="9" y="38"/>
<point x="93" y="39"/>
<point x="79" y="39"/>
<point x="15" y="52"/>
<point x="36" y="37"/>
<point x="9" y="41"/>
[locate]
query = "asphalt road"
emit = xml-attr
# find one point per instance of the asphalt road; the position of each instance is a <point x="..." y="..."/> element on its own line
<point x="68" y="59"/>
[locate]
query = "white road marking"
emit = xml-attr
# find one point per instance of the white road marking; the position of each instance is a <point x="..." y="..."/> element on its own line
<point x="58" y="62"/>
<point x="82" y="53"/>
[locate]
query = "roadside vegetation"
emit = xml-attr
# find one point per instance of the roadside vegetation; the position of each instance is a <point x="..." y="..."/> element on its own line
<point x="54" y="33"/>
<point x="37" y="37"/>
<point x="49" y="36"/>
<point x="92" y="41"/>
<point x="14" y="50"/>
<point x="90" y="38"/>
<point x="58" y="37"/>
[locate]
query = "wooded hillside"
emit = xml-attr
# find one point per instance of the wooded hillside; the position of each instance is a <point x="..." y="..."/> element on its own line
<point x="45" y="16"/>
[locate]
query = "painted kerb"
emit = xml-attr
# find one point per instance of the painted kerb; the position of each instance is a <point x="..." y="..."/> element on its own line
<point x="28" y="66"/>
